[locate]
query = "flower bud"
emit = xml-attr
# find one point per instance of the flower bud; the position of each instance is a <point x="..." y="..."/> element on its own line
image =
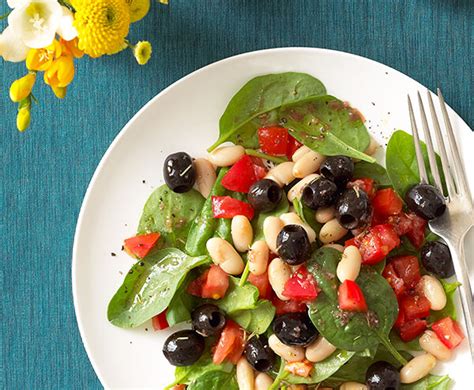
<point x="21" y="88"/>
<point x="142" y="52"/>
<point x="23" y="119"/>
<point x="60" y="92"/>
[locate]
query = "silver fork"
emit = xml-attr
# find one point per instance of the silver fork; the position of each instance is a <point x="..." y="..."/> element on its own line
<point x="453" y="225"/>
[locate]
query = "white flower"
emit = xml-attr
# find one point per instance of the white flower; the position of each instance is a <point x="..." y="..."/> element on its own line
<point x="11" y="48"/>
<point x="66" y="30"/>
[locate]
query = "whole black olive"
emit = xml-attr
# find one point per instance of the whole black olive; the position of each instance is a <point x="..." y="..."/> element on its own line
<point x="179" y="172"/>
<point x="259" y="354"/>
<point x="207" y="319"/>
<point x="382" y="376"/>
<point x="183" y="348"/>
<point x="293" y="244"/>
<point x="436" y="258"/>
<point x="264" y="195"/>
<point x="338" y="169"/>
<point x="321" y="192"/>
<point x="426" y="201"/>
<point x="295" y="329"/>
<point x="353" y="209"/>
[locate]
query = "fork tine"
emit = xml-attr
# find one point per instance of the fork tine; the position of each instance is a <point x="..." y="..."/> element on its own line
<point x="429" y="145"/>
<point x="419" y="155"/>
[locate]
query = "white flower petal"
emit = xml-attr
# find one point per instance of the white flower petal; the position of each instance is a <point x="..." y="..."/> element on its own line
<point x="15" y="3"/>
<point x="11" y="47"/>
<point x="66" y="30"/>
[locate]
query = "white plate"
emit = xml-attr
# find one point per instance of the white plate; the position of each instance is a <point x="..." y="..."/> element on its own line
<point x="184" y="117"/>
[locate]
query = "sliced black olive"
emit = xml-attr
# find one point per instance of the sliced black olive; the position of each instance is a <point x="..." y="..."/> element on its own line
<point x="382" y="376"/>
<point x="183" y="348"/>
<point x="338" y="169"/>
<point x="321" y="192"/>
<point x="353" y="209"/>
<point x="293" y="244"/>
<point x="179" y="172"/>
<point x="207" y="319"/>
<point x="259" y="354"/>
<point x="264" y="195"/>
<point x="426" y="201"/>
<point x="436" y="258"/>
<point x="295" y="329"/>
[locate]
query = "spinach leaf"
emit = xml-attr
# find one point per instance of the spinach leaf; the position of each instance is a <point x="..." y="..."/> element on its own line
<point x="430" y="382"/>
<point x="450" y="309"/>
<point x="214" y="380"/>
<point x="223" y="229"/>
<point x="259" y="96"/>
<point x="180" y="307"/>
<point x="256" y="320"/>
<point x="406" y="346"/>
<point x="307" y="215"/>
<point x="238" y="297"/>
<point x="149" y="286"/>
<point x="257" y="223"/>
<point x="171" y="215"/>
<point x="373" y="171"/>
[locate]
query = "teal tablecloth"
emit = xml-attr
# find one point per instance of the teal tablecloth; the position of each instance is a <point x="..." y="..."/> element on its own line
<point x="45" y="171"/>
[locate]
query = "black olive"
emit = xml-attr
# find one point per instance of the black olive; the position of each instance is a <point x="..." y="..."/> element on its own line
<point x="293" y="244"/>
<point x="183" y="348"/>
<point x="295" y="329"/>
<point x="436" y="258"/>
<point x="179" y="172"/>
<point x="382" y="376"/>
<point x="426" y="201"/>
<point x="207" y="319"/>
<point x="338" y="169"/>
<point x="259" y="354"/>
<point x="321" y="192"/>
<point x="264" y="195"/>
<point x="353" y="209"/>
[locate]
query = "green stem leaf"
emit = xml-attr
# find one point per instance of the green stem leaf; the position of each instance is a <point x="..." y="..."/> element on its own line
<point x="256" y="153"/>
<point x="387" y="344"/>
<point x="245" y="274"/>
<point x="282" y="374"/>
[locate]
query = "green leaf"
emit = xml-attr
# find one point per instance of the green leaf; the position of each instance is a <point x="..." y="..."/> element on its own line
<point x="259" y="96"/>
<point x="373" y="171"/>
<point x="450" y="309"/>
<point x="149" y="286"/>
<point x="238" y="297"/>
<point x="223" y="229"/>
<point x="406" y="346"/>
<point x="430" y="382"/>
<point x="171" y="215"/>
<point x="214" y="380"/>
<point x="307" y="215"/>
<point x="180" y="307"/>
<point x="257" y="223"/>
<point x="256" y="320"/>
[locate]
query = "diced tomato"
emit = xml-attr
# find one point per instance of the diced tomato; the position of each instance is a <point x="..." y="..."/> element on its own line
<point x="401" y="319"/>
<point x="178" y="387"/>
<point x="365" y="184"/>
<point x="415" y="306"/>
<point x="408" y="269"/>
<point x="448" y="331"/>
<point x="292" y="147"/>
<point x="290" y="306"/>
<point x="263" y="285"/>
<point x="302" y="369"/>
<point x="230" y="345"/>
<point x="387" y="202"/>
<point x="301" y="286"/>
<point x="260" y="172"/>
<point x="273" y="140"/>
<point x="397" y="283"/>
<point x="401" y="223"/>
<point x="213" y="283"/>
<point x="140" y="245"/>
<point x="227" y="207"/>
<point x="241" y="176"/>
<point x="377" y="243"/>
<point x="159" y="321"/>
<point x="351" y="242"/>
<point x="412" y="329"/>
<point x="350" y="297"/>
<point x="416" y="234"/>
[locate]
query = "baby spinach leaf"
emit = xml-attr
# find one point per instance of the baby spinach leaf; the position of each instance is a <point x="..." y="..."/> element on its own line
<point x="149" y="286"/>
<point x="450" y="309"/>
<point x="430" y="382"/>
<point x="259" y="96"/>
<point x="307" y="215"/>
<point x="214" y="380"/>
<point x="256" y="320"/>
<point x="257" y="223"/>
<point x="373" y="171"/>
<point x="180" y="307"/>
<point x="401" y="345"/>
<point x="238" y="297"/>
<point x="223" y="229"/>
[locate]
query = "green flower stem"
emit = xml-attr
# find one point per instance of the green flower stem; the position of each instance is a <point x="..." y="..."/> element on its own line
<point x="282" y="374"/>
<point x="256" y="153"/>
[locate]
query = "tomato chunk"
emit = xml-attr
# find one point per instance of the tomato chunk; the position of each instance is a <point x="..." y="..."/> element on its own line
<point x="241" y="176"/>
<point x="303" y="368"/>
<point x="230" y="345"/>
<point x="301" y="286"/>
<point x="415" y="306"/>
<point x="400" y="321"/>
<point x="365" y="184"/>
<point x="139" y="246"/>
<point x="377" y="243"/>
<point x="412" y="329"/>
<point x="408" y="269"/>
<point x="416" y="234"/>
<point x="263" y="285"/>
<point x="350" y="297"/>
<point x="448" y="331"/>
<point x="396" y="282"/>
<point x="387" y="202"/>
<point x="290" y="306"/>
<point x="273" y="140"/>
<point x="227" y="207"/>
<point x="292" y="147"/>
<point x="213" y="283"/>
<point x="159" y="321"/>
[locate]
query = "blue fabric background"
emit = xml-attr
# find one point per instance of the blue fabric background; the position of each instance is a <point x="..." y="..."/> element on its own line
<point x="45" y="171"/>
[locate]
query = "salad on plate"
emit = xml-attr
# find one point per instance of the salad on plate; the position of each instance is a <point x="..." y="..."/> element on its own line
<point x="293" y="258"/>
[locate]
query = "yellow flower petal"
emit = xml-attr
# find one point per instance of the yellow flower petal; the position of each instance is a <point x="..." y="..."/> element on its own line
<point x="142" y="52"/>
<point x="21" y="88"/>
<point x="138" y="9"/>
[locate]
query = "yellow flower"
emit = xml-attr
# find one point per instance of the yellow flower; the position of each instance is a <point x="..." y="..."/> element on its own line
<point x="60" y="92"/>
<point x="61" y="72"/>
<point x="72" y="47"/>
<point x="138" y="9"/>
<point x="102" y="25"/>
<point x="142" y="52"/>
<point x="41" y="59"/>
<point x="23" y="119"/>
<point x="21" y="88"/>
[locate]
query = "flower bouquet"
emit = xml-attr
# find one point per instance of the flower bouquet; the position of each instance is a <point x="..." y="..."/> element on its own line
<point x="50" y="34"/>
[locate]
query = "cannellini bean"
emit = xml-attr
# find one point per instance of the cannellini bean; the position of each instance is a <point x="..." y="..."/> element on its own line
<point x="325" y="214"/>
<point x="258" y="257"/>
<point x="300" y="152"/>
<point x="244" y="374"/>
<point x="337" y="247"/>
<point x="297" y="189"/>
<point x="433" y="290"/>
<point x="319" y="350"/>
<point x="271" y="228"/>
<point x="331" y="231"/>
<point x="353" y="386"/>
<point x="278" y="274"/>
<point x="294" y="219"/>
<point x="417" y="368"/>
<point x="263" y="381"/>
<point x="287" y="352"/>
<point x="225" y="156"/>
<point x="224" y="254"/>
<point x="205" y="176"/>
<point x="309" y="163"/>
<point x="349" y="266"/>
<point x="372" y="148"/>
<point x="282" y="173"/>
<point x="242" y="233"/>
<point x="432" y="344"/>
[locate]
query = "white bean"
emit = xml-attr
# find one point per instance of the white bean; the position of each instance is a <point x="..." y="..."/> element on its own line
<point x="349" y="266"/>
<point x="224" y="254"/>
<point x="331" y="231"/>
<point x="242" y="232"/>
<point x="307" y="164"/>
<point x="263" y="381"/>
<point x="244" y="374"/>
<point x="417" y="368"/>
<point x="432" y="344"/>
<point x="337" y="247"/>
<point x="297" y="189"/>
<point x="205" y="176"/>
<point x="372" y="148"/>
<point x="325" y="214"/>
<point x="300" y="152"/>
<point x="258" y="257"/>
<point x="282" y="173"/>
<point x="319" y="350"/>
<point x="227" y="155"/>
<point x="433" y="291"/>
<point x="278" y="274"/>
<point x="271" y="228"/>
<point x="287" y="352"/>
<point x="294" y="219"/>
<point x="353" y="386"/>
